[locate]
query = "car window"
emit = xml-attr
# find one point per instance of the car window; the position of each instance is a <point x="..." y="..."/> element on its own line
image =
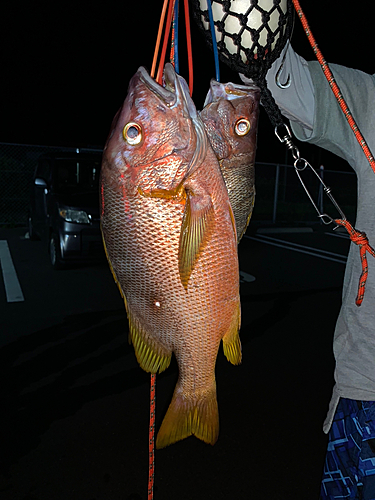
<point x="76" y="176"/>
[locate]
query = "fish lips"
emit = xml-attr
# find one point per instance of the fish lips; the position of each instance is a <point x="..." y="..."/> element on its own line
<point x="165" y="95"/>
<point x="229" y="91"/>
<point x="175" y="93"/>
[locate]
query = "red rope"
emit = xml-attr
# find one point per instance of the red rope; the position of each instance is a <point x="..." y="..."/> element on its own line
<point x="151" y="443"/>
<point x="335" y="88"/>
<point x="189" y="49"/>
<point x="360" y="239"/>
<point x="151" y="446"/>
<point x="169" y="4"/>
<point x="157" y="45"/>
<point x="165" y="43"/>
<point x="171" y="56"/>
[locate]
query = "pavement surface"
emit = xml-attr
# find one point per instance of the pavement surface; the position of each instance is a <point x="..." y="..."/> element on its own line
<point x="75" y="404"/>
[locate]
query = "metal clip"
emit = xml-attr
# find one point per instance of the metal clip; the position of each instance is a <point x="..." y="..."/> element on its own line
<point x="301" y="164"/>
<point x="287" y="140"/>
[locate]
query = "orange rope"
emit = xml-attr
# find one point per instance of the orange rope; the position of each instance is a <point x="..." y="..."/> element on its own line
<point x="166" y="37"/>
<point x="335" y="88"/>
<point x="157" y="46"/>
<point x="189" y="49"/>
<point x="151" y="444"/>
<point x="169" y="4"/>
<point x="151" y="447"/>
<point x="171" y="55"/>
<point x="361" y="240"/>
<point x="358" y="237"/>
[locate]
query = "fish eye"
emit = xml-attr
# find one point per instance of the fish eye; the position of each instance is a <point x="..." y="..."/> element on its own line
<point x="242" y="126"/>
<point x="132" y="133"/>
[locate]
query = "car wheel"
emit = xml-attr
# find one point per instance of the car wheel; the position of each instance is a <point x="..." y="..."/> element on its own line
<point x="54" y="252"/>
<point x="32" y="234"/>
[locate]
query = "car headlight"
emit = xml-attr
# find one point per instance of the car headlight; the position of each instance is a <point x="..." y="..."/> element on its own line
<point x="77" y="216"/>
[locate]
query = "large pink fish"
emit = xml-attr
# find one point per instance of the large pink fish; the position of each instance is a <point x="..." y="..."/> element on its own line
<point x="170" y="238"/>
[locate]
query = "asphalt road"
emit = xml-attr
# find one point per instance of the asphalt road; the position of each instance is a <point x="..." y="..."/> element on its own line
<point x="75" y="404"/>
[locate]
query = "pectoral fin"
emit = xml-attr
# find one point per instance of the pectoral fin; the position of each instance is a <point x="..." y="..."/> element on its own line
<point x="197" y="224"/>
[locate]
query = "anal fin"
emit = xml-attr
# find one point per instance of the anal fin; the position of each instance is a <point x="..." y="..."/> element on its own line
<point x="231" y="340"/>
<point x="151" y="356"/>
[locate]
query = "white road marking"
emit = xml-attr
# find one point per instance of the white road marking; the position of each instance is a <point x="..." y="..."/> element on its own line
<point x="297" y="245"/>
<point x="288" y="246"/>
<point x="345" y="236"/>
<point x="12" y="285"/>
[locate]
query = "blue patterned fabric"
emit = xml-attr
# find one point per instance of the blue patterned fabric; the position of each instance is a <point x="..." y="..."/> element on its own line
<point x="349" y="470"/>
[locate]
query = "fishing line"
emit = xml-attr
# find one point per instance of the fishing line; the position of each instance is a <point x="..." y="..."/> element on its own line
<point x="172" y="9"/>
<point x="214" y="42"/>
<point x="175" y="37"/>
<point x="189" y="49"/>
<point x="151" y="441"/>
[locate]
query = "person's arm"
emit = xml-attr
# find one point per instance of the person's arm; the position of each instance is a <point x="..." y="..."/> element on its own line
<point x="296" y="102"/>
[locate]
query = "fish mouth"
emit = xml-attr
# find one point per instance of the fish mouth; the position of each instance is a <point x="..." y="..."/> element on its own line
<point x="228" y="91"/>
<point x="165" y="94"/>
<point x="177" y="84"/>
<point x="176" y="93"/>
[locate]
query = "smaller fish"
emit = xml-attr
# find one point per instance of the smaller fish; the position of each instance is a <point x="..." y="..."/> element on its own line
<point x="230" y="117"/>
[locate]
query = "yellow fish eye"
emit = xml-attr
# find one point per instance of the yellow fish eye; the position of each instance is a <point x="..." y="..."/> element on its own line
<point x="132" y="133"/>
<point x="242" y="126"/>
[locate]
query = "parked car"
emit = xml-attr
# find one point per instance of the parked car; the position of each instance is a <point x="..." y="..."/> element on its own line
<point x="64" y="208"/>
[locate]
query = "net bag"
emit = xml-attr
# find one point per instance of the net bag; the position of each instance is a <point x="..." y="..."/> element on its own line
<point x="250" y="35"/>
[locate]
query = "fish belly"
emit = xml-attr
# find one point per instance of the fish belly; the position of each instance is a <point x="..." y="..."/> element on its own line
<point x="239" y="176"/>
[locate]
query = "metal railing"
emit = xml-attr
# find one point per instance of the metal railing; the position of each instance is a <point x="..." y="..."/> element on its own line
<point x="279" y="195"/>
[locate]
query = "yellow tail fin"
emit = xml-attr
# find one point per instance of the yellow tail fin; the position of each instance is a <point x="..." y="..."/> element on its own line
<point x="197" y="416"/>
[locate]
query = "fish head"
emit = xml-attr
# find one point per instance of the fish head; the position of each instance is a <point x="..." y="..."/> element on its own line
<point x="230" y="117"/>
<point x="152" y="139"/>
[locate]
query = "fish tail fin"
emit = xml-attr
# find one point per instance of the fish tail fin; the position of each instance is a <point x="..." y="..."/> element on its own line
<point x="198" y="416"/>
<point x="231" y="340"/>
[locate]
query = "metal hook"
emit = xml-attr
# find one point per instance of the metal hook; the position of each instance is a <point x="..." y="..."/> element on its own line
<point x="277" y="77"/>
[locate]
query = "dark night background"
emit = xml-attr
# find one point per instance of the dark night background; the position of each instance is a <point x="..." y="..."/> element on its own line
<point x="65" y="67"/>
<point x="71" y="408"/>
